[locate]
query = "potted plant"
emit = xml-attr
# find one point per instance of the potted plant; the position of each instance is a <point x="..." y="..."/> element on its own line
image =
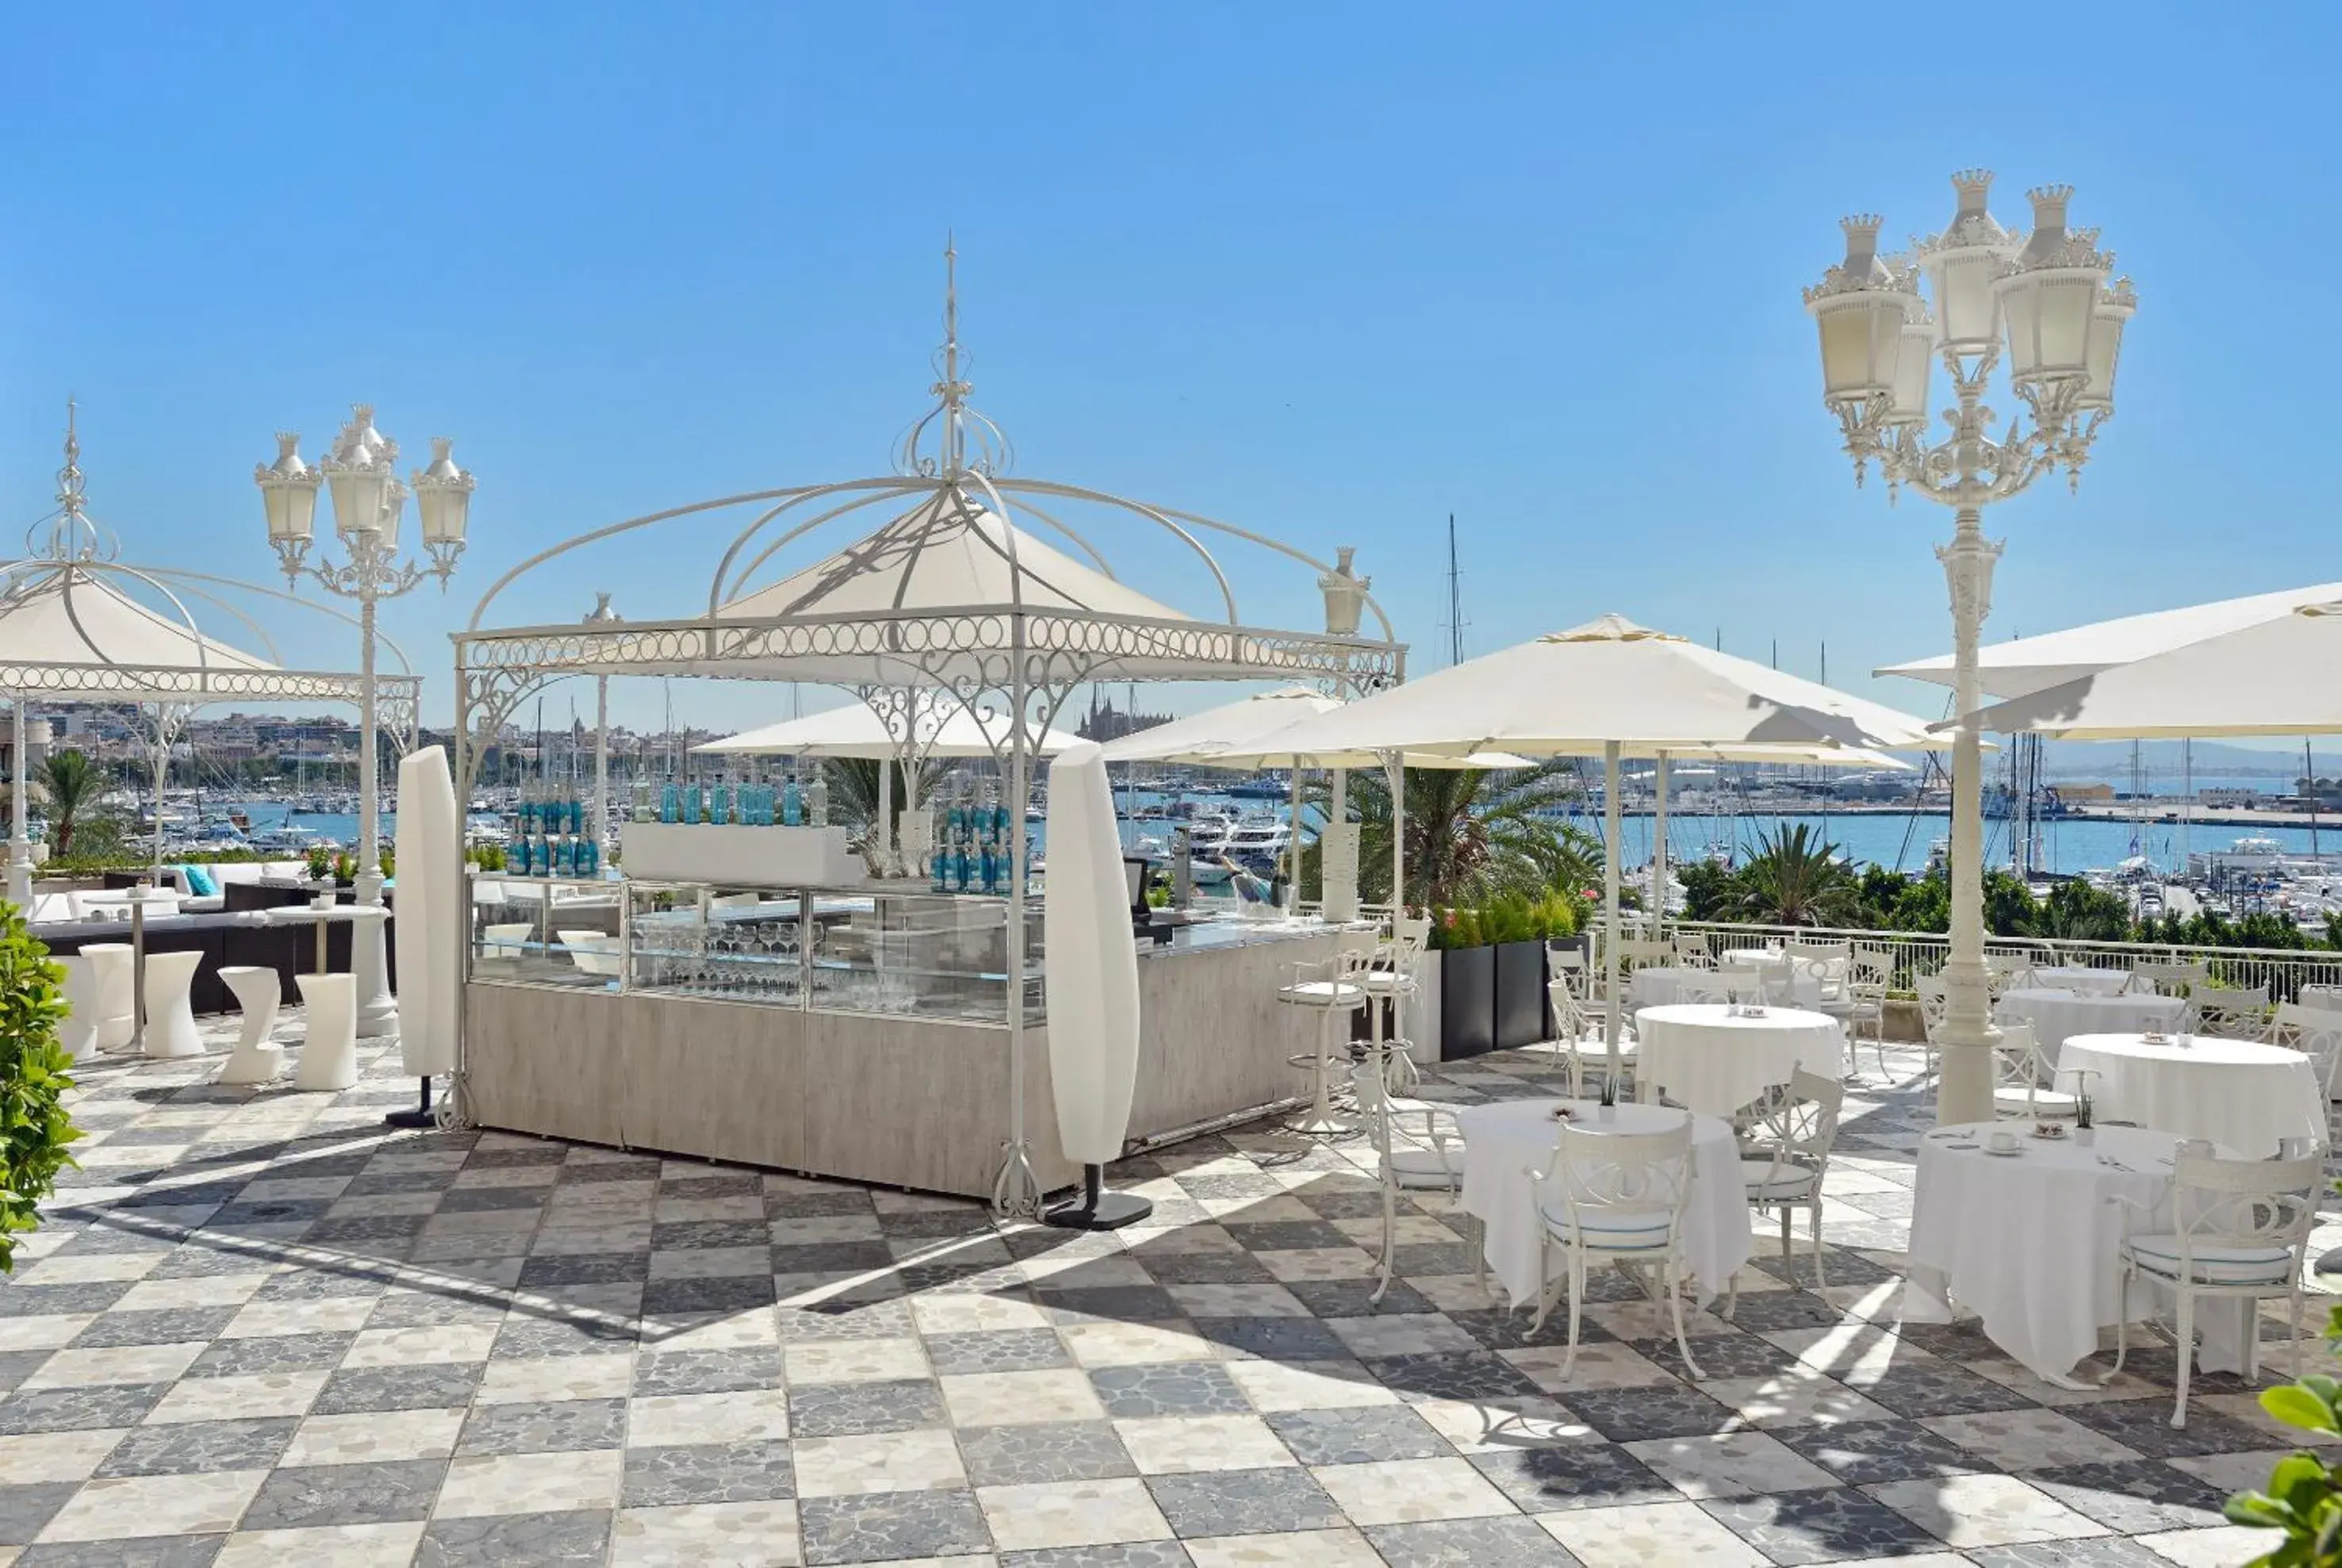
<point x="34" y="1077"/>
<point x="1512" y="929"/>
<point x="1468" y="984"/>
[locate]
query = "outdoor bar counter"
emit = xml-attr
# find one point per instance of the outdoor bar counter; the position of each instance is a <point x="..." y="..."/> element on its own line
<point x="852" y="1032"/>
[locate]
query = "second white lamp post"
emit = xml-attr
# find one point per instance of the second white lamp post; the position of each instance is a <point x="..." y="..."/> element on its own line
<point x="2045" y="299"/>
<point x="368" y="501"/>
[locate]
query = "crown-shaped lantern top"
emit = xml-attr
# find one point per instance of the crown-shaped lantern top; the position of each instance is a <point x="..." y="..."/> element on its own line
<point x="2052" y="243"/>
<point x="1971" y="224"/>
<point x="1863" y="268"/>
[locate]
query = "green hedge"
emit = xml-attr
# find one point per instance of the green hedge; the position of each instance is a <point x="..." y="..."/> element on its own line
<point x="34" y="1076"/>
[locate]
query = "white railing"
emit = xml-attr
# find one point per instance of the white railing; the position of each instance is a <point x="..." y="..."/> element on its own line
<point x="1917" y="952"/>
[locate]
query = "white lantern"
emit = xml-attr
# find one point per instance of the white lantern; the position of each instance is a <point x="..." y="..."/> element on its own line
<point x="2115" y="309"/>
<point x="1860" y="309"/>
<point x="2049" y="294"/>
<point x="358" y="473"/>
<point x="442" y="496"/>
<point x="288" y="489"/>
<point x="1915" y="362"/>
<point x="1961" y="264"/>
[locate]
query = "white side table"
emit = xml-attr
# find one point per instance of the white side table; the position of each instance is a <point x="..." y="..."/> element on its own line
<point x="329" y="1052"/>
<point x="116" y="1015"/>
<point x="170" y="1017"/>
<point x="257" y="1058"/>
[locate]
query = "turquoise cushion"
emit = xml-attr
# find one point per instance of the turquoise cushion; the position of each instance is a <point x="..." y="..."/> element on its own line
<point x="200" y="881"/>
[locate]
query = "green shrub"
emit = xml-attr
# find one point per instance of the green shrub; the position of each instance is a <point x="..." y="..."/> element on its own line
<point x="320" y="863"/>
<point x="486" y="856"/>
<point x="34" y="1077"/>
<point x="2304" y="1496"/>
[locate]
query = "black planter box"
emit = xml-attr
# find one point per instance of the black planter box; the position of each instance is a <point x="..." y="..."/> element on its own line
<point x="1520" y="994"/>
<point x="1468" y="1002"/>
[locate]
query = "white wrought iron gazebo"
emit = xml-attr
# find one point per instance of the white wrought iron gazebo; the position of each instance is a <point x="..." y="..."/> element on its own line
<point x="79" y="625"/>
<point x="956" y="604"/>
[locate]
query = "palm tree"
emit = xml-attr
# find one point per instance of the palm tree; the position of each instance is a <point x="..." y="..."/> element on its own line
<point x="70" y="786"/>
<point x="1797" y="879"/>
<point x="854" y="787"/>
<point x="1471" y="834"/>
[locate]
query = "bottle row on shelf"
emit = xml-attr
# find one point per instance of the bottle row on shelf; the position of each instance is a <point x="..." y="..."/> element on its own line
<point x="748" y="804"/>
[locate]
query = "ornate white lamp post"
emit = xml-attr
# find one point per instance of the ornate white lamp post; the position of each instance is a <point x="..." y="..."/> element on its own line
<point x="601" y="614"/>
<point x="2045" y="301"/>
<point x="368" y="500"/>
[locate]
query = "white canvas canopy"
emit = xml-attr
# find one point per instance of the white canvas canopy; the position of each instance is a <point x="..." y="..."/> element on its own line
<point x="856" y="730"/>
<point x="2277" y="676"/>
<point x="1612" y="688"/>
<point x="2027" y="664"/>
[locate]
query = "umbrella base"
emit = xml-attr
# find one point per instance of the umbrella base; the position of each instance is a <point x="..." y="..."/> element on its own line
<point x="1096" y="1209"/>
<point x="422" y="1116"/>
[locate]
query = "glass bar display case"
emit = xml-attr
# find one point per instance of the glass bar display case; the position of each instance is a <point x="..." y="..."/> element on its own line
<point x="909" y="954"/>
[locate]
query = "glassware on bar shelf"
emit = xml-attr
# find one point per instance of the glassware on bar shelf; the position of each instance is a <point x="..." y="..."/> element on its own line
<point x="817" y="798"/>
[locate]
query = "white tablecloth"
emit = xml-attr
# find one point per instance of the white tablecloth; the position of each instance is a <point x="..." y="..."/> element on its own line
<point x="2058" y="1014"/>
<point x="1714" y="1063"/>
<point x="2239" y="1093"/>
<point x="1505" y="1141"/>
<point x="2032" y="1244"/>
<point x="2082" y="978"/>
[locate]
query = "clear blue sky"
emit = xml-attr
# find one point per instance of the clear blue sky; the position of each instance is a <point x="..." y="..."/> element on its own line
<point x="1333" y="272"/>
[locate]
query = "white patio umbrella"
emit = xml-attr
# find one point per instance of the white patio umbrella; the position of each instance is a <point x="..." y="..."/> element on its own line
<point x="2277" y="676"/>
<point x="856" y="730"/>
<point x="1091" y="970"/>
<point x="1243" y="736"/>
<point x="1615" y="689"/>
<point x="2027" y="664"/>
<point x="430" y="897"/>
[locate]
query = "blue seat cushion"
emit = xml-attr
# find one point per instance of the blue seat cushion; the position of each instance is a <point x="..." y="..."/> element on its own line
<point x="2215" y="1265"/>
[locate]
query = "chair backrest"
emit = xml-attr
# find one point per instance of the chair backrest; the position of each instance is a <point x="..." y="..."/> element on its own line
<point x="2018" y="1063"/>
<point x="1818" y="949"/>
<point x="2245" y="1203"/>
<point x="2233" y="1013"/>
<point x="2164" y="977"/>
<point x="1934" y="1001"/>
<point x="1800" y="1125"/>
<point x="1570" y="1017"/>
<point x="1635" y="1173"/>
<point x="1693" y="952"/>
<point x="1634" y="950"/>
<point x="1707" y="988"/>
<point x="2312" y="1031"/>
<point x="1779" y="980"/>
<point x="1870" y="971"/>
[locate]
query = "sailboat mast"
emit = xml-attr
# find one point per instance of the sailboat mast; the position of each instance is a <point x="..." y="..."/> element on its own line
<point x="1455" y="599"/>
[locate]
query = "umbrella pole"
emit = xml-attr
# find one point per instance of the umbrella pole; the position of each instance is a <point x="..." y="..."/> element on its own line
<point x="1610" y="914"/>
<point x="20" y="833"/>
<point x="1293" y="849"/>
<point x="1660" y="847"/>
<point x="1394" y="770"/>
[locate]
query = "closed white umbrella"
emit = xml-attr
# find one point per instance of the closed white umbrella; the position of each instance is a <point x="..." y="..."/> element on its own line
<point x="1615" y="689"/>
<point x="430" y="905"/>
<point x="1090" y="971"/>
<point x="2279" y="676"/>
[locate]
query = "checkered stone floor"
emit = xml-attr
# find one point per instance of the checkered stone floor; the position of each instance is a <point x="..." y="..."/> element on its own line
<point x="260" y="1328"/>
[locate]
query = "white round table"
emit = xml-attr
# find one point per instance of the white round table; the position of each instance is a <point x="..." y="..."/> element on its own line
<point x="2058" y="1014"/>
<point x="1715" y="1061"/>
<point x="2241" y="1093"/>
<point x="2032" y="1243"/>
<point x="2083" y="979"/>
<point x="1505" y="1141"/>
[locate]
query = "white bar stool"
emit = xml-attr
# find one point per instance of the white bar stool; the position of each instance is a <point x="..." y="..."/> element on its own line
<point x="329" y="1052"/>
<point x="77" y="1031"/>
<point x="117" y="1012"/>
<point x="171" y="1029"/>
<point x="257" y="1058"/>
<point x="1334" y="989"/>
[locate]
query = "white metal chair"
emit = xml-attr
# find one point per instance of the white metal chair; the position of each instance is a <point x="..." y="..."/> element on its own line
<point x="2230" y="1014"/>
<point x="2239" y="1228"/>
<point x="2023" y="1082"/>
<point x="1619" y="1198"/>
<point x="1393" y="976"/>
<point x="2163" y="977"/>
<point x="1935" y="1006"/>
<point x="1868" y="974"/>
<point x="1425" y="1157"/>
<point x="1334" y="988"/>
<point x="2314" y="1032"/>
<point x="1783" y="1170"/>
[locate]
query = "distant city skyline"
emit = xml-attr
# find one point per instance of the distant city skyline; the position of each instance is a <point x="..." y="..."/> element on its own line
<point x="1332" y="275"/>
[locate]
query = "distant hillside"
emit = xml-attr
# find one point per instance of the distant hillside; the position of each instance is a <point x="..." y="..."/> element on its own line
<point x="2095" y="759"/>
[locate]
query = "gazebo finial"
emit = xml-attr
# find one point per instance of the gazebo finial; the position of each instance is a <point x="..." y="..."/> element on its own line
<point x="949" y="419"/>
<point x="73" y="536"/>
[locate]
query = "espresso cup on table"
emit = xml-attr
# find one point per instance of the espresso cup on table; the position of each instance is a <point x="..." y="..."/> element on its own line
<point x="2003" y="1141"/>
